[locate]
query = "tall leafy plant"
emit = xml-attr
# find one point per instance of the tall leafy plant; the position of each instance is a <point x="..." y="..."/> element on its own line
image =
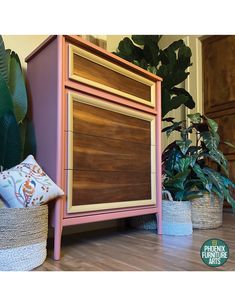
<point x="15" y="125"/>
<point x="169" y="63"/>
<point x="192" y="169"/>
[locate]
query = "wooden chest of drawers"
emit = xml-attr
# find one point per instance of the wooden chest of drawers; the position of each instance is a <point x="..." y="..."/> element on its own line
<point x="98" y="132"/>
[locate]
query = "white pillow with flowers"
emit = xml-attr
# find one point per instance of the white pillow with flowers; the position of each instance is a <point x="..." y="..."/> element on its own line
<point x="27" y="185"/>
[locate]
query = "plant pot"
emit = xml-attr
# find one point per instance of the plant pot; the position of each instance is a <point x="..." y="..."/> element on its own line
<point x="176" y="217"/>
<point x="23" y="237"/>
<point x="207" y="212"/>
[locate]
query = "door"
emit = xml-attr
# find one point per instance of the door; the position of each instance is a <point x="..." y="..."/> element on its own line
<point x="218" y="60"/>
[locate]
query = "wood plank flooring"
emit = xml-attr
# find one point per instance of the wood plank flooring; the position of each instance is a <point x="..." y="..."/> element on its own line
<point x="139" y="250"/>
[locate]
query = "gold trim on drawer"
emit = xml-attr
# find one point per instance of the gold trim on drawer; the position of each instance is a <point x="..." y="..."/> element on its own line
<point x="80" y="98"/>
<point x="117" y="69"/>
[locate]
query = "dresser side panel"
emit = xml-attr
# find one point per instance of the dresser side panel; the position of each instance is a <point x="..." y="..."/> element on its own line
<point x="42" y="80"/>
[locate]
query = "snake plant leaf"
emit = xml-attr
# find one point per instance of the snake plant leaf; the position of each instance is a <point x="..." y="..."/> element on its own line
<point x="17" y="88"/>
<point x="195" y="118"/>
<point x="3" y="61"/>
<point x="10" y="147"/>
<point x="184" y="145"/>
<point x="6" y="103"/>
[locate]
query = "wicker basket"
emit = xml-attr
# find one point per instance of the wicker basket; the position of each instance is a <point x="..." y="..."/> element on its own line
<point x="176" y="216"/>
<point x="207" y="212"/>
<point x="23" y="238"/>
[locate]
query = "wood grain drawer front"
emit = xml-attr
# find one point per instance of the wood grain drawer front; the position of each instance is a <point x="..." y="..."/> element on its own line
<point x="111" y="156"/>
<point x="93" y="70"/>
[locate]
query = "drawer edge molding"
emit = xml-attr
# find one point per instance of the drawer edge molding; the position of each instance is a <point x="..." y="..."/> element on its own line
<point x="108" y="64"/>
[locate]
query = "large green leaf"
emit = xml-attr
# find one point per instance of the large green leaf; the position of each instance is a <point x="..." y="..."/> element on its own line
<point x="184" y="145"/>
<point x="27" y="138"/>
<point x="6" y="103"/>
<point x="184" y="55"/>
<point x="3" y="61"/>
<point x="176" y="126"/>
<point x="219" y="158"/>
<point x="183" y="164"/>
<point x="215" y="178"/>
<point x="17" y="88"/>
<point x="181" y="91"/>
<point x="10" y="148"/>
<point x="211" y="140"/>
<point x="212" y="124"/>
<point x="200" y="174"/>
<point x="195" y="118"/>
<point x="186" y="195"/>
<point x="177" y="182"/>
<point x="138" y="39"/>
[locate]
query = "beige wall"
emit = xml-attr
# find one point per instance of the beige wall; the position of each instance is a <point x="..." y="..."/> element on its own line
<point x="113" y="41"/>
<point x="23" y="44"/>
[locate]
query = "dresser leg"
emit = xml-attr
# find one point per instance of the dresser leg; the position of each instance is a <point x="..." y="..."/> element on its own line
<point x="159" y="224"/>
<point x="58" y="228"/>
<point x="57" y="242"/>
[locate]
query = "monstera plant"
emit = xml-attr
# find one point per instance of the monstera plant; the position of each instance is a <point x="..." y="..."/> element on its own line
<point x="16" y="131"/>
<point x="169" y="63"/>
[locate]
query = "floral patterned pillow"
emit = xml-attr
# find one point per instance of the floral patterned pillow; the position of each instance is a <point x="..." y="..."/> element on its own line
<point x="27" y="185"/>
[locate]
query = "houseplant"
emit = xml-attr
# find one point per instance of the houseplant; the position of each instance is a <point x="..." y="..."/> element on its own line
<point x="16" y="129"/>
<point x="169" y="63"/>
<point x="196" y="170"/>
<point x="23" y="236"/>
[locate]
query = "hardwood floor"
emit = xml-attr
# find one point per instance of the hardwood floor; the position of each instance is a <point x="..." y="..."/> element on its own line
<point x="138" y="250"/>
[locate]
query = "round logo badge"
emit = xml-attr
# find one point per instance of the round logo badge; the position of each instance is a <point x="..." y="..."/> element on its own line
<point x="214" y="252"/>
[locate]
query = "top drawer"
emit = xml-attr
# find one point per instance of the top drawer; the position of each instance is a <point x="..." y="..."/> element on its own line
<point x="101" y="73"/>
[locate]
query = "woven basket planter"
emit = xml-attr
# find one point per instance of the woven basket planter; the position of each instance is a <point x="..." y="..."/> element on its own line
<point x="176" y="217"/>
<point x="23" y="238"/>
<point x="207" y="212"/>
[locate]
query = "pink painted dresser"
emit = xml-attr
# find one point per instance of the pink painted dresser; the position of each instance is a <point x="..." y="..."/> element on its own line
<point x="98" y="132"/>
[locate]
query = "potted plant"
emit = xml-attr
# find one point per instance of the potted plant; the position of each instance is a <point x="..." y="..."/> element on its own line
<point x="195" y="169"/>
<point x="16" y="130"/>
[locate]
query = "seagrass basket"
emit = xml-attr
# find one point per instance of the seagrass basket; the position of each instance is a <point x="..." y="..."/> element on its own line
<point x="207" y="212"/>
<point x="176" y="216"/>
<point x="23" y="238"/>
